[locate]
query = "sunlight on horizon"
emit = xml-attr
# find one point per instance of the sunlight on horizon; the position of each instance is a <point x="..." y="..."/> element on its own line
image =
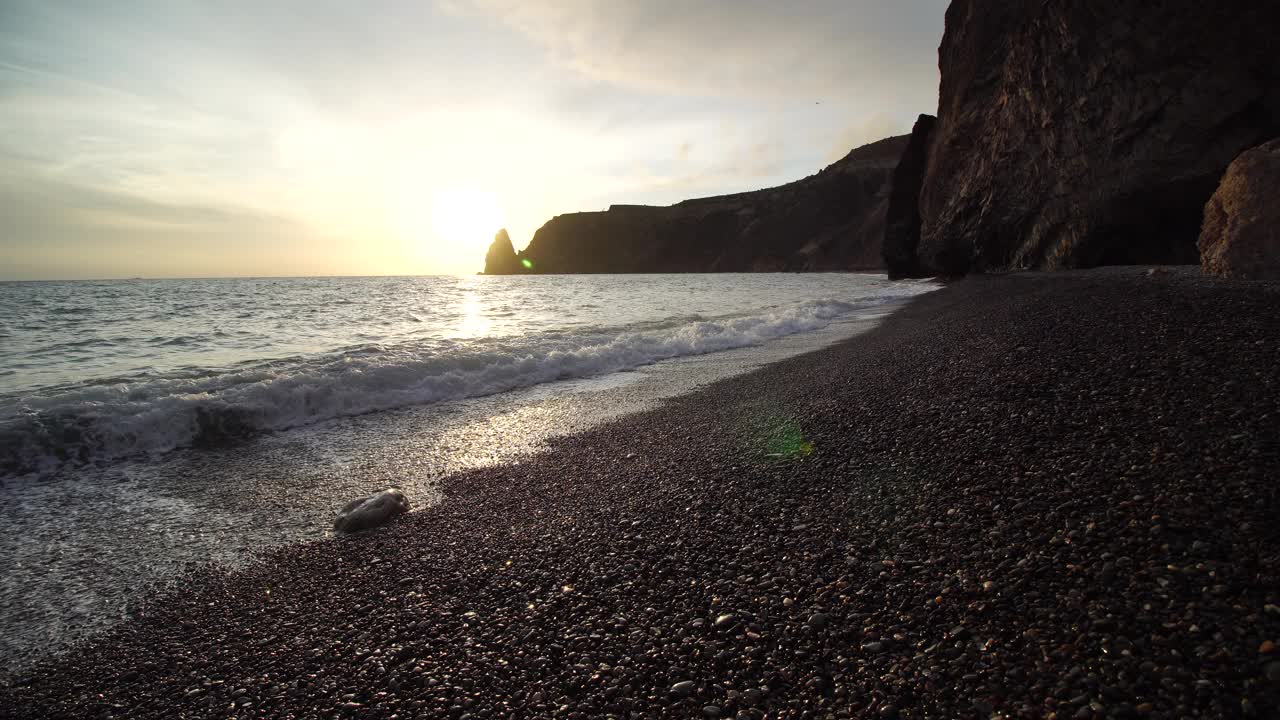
<point x="465" y="221"/>
<point x="289" y="139"/>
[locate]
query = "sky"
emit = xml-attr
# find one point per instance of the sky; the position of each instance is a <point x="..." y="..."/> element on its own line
<point x="165" y="138"/>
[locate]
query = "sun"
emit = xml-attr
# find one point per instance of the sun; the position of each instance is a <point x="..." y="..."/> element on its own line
<point x="465" y="219"/>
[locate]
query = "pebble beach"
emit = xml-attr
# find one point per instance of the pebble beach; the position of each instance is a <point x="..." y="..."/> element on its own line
<point x="1025" y="495"/>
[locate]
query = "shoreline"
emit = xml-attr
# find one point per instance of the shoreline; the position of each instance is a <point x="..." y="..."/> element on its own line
<point x="68" y="575"/>
<point x="1022" y="497"/>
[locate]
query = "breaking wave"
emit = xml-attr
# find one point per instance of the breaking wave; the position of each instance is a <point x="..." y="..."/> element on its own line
<point x="102" y="422"/>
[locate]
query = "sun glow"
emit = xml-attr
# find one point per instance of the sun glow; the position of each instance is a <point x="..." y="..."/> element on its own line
<point x="465" y="220"/>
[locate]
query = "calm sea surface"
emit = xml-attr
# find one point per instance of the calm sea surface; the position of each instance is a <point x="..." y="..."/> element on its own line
<point x="151" y="423"/>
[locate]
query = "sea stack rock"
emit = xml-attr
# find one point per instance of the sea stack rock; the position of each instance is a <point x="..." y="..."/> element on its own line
<point x="501" y="258"/>
<point x="1241" y="234"/>
<point x="902" y="218"/>
<point x="1091" y="132"/>
<point x="371" y="511"/>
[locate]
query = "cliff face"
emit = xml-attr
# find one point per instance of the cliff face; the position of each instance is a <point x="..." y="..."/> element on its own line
<point x="1089" y="132"/>
<point x="902" y="216"/>
<point x="833" y="220"/>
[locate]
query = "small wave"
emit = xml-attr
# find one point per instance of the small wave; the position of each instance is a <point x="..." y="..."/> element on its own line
<point x="175" y="341"/>
<point x="103" y="423"/>
<point x="73" y="345"/>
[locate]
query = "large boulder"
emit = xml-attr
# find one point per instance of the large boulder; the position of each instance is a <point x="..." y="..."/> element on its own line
<point x="1241" y="233"/>
<point x="1074" y="134"/>
<point x="902" y="218"/>
<point x="371" y="511"/>
<point x="501" y="258"/>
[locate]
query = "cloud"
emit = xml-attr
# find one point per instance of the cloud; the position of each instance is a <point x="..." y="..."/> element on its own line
<point x="736" y="47"/>
<point x="54" y="228"/>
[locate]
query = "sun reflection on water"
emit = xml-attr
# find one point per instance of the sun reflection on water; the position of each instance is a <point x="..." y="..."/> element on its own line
<point x="473" y="322"/>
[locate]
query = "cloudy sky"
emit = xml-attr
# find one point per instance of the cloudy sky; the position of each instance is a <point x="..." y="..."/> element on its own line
<point x="173" y="138"/>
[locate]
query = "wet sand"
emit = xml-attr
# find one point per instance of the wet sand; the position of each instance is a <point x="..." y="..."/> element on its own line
<point x="1029" y="495"/>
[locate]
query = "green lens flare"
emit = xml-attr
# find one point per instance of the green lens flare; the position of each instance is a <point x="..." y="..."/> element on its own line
<point x="785" y="440"/>
<point x="527" y="263"/>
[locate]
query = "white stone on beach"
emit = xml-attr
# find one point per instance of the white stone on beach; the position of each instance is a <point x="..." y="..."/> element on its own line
<point x="371" y="511"/>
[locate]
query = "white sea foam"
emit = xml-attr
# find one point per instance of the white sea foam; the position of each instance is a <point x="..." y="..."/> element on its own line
<point x="155" y="413"/>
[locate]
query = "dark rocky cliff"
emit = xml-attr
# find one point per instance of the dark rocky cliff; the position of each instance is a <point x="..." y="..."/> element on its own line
<point x="833" y="220"/>
<point x="902" y="216"/>
<point x="1073" y="134"/>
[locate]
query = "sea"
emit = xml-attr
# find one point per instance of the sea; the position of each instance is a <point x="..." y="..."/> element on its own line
<point x="151" y="426"/>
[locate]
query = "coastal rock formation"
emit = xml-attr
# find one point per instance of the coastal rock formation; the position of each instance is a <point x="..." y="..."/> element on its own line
<point x="1092" y="132"/>
<point x="833" y="220"/>
<point x="501" y="258"/>
<point x="371" y="511"/>
<point x="902" y="218"/>
<point x="1241" y="233"/>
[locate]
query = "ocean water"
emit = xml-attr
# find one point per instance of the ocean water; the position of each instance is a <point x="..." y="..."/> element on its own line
<point x="149" y="424"/>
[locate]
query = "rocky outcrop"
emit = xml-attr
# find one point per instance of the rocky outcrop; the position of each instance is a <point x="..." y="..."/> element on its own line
<point x="371" y="511"/>
<point x="833" y="220"/>
<point x="501" y="258"/>
<point x="1074" y="134"/>
<point x="1241" y="233"/>
<point x="902" y="217"/>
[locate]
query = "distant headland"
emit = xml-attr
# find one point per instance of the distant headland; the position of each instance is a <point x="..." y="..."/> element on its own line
<point x="833" y="220"/>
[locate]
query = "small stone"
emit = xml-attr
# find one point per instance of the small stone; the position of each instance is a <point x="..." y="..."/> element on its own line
<point x="1272" y="671"/>
<point x="818" y="621"/>
<point x="1266" y="648"/>
<point x="726" y="620"/>
<point x="711" y="711"/>
<point x="1108" y="572"/>
<point x="959" y="632"/>
<point x="872" y="647"/>
<point x="1145" y="708"/>
<point x="889" y="711"/>
<point x="683" y="689"/>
